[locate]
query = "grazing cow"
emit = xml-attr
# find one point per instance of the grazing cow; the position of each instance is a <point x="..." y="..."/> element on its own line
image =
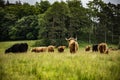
<point x="73" y="45"/>
<point x="17" y="48"/>
<point x="87" y="48"/>
<point x="102" y="47"/>
<point x="61" y="48"/>
<point x="95" y="48"/>
<point x="112" y="49"/>
<point x="39" y="49"/>
<point x="51" y="48"/>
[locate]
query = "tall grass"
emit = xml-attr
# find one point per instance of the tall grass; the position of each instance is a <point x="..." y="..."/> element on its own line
<point x="59" y="66"/>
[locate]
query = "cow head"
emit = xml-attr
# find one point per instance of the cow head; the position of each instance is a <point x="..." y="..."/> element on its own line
<point x="71" y="38"/>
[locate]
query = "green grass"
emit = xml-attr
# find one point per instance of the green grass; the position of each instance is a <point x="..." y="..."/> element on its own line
<point x="58" y="66"/>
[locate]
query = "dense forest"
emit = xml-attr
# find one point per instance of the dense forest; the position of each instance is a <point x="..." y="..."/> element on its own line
<point x="52" y="23"/>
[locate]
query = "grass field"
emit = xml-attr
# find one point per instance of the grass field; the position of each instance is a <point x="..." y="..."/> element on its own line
<point x="58" y="66"/>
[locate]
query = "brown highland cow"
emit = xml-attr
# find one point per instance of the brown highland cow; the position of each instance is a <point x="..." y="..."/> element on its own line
<point x="51" y="48"/>
<point x="39" y="49"/>
<point x="102" y="47"/>
<point x="61" y="48"/>
<point x="87" y="48"/>
<point x="73" y="45"/>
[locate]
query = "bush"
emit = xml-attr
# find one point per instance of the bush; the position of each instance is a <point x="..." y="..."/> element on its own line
<point x="47" y="42"/>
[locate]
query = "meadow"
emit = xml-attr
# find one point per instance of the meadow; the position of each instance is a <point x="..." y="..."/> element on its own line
<point x="58" y="66"/>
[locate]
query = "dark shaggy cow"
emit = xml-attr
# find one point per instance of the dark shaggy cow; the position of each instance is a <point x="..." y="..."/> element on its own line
<point x="87" y="48"/>
<point x="73" y="45"/>
<point x="95" y="48"/>
<point x="102" y="47"/>
<point x="16" y="48"/>
<point x="61" y="48"/>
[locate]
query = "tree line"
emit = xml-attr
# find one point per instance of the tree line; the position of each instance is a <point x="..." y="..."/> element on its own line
<point x="52" y="23"/>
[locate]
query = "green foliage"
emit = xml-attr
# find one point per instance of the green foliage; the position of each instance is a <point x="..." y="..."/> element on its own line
<point x="30" y="36"/>
<point x="74" y="3"/>
<point x="78" y="20"/>
<point x="2" y="3"/>
<point x="42" y="24"/>
<point x="42" y="42"/>
<point x="26" y="28"/>
<point x="47" y="42"/>
<point x="107" y="16"/>
<point x="53" y="22"/>
<point x="7" y="20"/>
<point x="44" y="5"/>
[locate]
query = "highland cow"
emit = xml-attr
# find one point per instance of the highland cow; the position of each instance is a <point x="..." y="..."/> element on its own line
<point x="95" y="48"/>
<point x="61" y="48"/>
<point x="39" y="49"/>
<point x="73" y="45"/>
<point x="17" y="48"/>
<point x="102" y="47"/>
<point x="87" y="48"/>
<point x="113" y="49"/>
<point x="51" y="48"/>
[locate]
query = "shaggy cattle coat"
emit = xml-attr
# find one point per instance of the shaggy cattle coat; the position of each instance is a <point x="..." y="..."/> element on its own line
<point x="61" y="48"/>
<point x="17" y="48"/>
<point x="39" y="49"/>
<point x="87" y="48"/>
<point x="102" y="47"/>
<point x="95" y="47"/>
<point x="73" y="45"/>
<point x="51" y="48"/>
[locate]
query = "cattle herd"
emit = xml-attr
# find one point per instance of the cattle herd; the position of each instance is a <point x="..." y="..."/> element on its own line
<point x="72" y="45"/>
<point x="102" y="48"/>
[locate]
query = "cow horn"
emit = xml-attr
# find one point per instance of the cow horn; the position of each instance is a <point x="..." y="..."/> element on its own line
<point x="76" y="38"/>
<point x="66" y="39"/>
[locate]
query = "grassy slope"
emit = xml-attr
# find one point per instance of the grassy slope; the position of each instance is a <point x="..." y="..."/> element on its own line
<point x="58" y="66"/>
